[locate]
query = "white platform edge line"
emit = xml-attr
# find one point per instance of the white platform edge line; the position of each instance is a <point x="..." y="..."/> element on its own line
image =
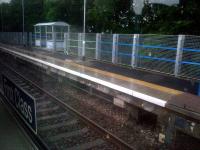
<point x="133" y="93"/>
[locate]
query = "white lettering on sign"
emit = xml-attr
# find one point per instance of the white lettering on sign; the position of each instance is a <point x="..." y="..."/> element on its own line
<point x="22" y="106"/>
<point x="21" y="101"/>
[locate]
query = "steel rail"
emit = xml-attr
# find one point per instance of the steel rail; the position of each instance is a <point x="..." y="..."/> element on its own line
<point x="36" y="139"/>
<point x="107" y="135"/>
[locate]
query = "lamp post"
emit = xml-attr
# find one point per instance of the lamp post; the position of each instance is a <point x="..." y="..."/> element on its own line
<point x="83" y="36"/>
<point x="84" y="18"/>
<point x="1" y="18"/>
<point x="23" y="21"/>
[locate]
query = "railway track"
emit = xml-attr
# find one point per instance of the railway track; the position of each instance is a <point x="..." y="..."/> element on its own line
<point x="62" y="127"/>
<point x="103" y="112"/>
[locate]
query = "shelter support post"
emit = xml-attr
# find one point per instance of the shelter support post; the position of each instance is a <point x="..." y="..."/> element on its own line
<point x="66" y="43"/>
<point x="40" y="36"/>
<point x="54" y="38"/>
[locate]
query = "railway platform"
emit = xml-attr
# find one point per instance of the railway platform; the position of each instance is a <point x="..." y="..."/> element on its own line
<point x="116" y="83"/>
<point x="176" y="107"/>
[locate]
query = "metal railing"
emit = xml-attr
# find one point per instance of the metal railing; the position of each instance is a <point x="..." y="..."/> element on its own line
<point x="177" y="55"/>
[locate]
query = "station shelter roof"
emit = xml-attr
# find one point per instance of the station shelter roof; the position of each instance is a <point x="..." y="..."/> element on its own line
<point x="52" y="24"/>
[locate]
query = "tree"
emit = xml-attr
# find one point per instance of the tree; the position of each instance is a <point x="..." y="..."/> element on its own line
<point x="69" y="11"/>
<point x="110" y="16"/>
<point x="181" y="19"/>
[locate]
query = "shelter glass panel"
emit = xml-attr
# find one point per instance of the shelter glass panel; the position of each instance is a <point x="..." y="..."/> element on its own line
<point x="49" y="36"/>
<point x="49" y="28"/>
<point x="37" y="29"/>
<point x="58" y="29"/>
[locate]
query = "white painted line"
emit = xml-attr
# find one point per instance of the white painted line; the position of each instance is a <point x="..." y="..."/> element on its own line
<point x="113" y="86"/>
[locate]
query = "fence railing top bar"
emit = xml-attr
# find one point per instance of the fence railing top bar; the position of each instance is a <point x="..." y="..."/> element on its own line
<point x="175" y="35"/>
<point x="126" y="34"/>
<point x="90" y="33"/>
<point x="196" y="36"/>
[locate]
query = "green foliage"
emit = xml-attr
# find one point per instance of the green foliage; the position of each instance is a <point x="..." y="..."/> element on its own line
<point x="109" y="16"/>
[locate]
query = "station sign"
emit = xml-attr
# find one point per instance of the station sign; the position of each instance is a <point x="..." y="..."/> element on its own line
<point x="21" y="101"/>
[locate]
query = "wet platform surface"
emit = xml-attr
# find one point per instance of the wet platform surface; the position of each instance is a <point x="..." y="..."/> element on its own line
<point x="144" y="75"/>
<point x="11" y="136"/>
<point x="148" y="91"/>
<point x="140" y="74"/>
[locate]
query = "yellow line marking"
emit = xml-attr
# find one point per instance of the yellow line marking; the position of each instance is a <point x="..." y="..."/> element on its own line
<point x="124" y="78"/>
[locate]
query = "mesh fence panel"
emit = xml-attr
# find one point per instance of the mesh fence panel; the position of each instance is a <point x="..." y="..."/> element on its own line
<point x="32" y="39"/>
<point x="73" y="44"/>
<point x="43" y="40"/>
<point x="125" y="46"/>
<point x="157" y="52"/>
<point x="190" y="66"/>
<point x="106" y="47"/>
<point x="15" y="38"/>
<point x="90" y="45"/>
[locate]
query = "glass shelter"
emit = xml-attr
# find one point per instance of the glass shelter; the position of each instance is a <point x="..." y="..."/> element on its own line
<point x="51" y="35"/>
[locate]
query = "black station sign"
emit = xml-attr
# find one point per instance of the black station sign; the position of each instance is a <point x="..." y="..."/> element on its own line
<point x="23" y="103"/>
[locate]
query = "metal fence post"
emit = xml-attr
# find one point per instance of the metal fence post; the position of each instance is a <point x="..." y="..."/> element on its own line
<point x="15" y="38"/>
<point x="18" y="38"/>
<point x="83" y="45"/>
<point x="54" y="41"/>
<point x="12" y="38"/>
<point x="179" y="53"/>
<point x="41" y="37"/>
<point x="9" y="38"/>
<point x="79" y="44"/>
<point x="98" y="46"/>
<point x="115" y="48"/>
<point x="68" y="42"/>
<point x="25" y="39"/>
<point x="22" y="36"/>
<point x="198" y="92"/>
<point x="8" y="41"/>
<point x="65" y="43"/>
<point x="30" y="39"/>
<point x="135" y="49"/>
